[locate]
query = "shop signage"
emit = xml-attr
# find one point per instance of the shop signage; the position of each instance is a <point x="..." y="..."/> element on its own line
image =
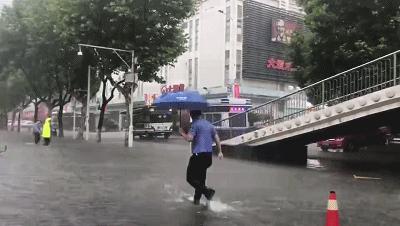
<point x="172" y="88"/>
<point x="149" y="98"/>
<point x="279" y="64"/>
<point x="237" y="109"/>
<point x="282" y="31"/>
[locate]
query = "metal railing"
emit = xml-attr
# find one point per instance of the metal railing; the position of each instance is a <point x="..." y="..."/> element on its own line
<point x="370" y="77"/>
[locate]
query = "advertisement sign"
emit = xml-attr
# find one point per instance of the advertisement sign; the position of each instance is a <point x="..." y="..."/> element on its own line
<point x="172" y="88"/>
<point x="279" y="64"/>
<point x="266" y="30"/>
<point x="282" y="31"/>
<point x="149" y="98"/>
<point x="236" y="90"/>
<point x="237" y="109"/>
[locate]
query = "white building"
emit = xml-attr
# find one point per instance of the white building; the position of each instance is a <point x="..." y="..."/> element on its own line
<point x="231" y="41"/>
<point x="222" y="50"/>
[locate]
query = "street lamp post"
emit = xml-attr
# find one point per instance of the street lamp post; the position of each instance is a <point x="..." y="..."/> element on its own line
<point x="132" y="78"/>
<point x="130" y="135"/>
<point x="74" y="120"/>
<point x="88" y="105"/>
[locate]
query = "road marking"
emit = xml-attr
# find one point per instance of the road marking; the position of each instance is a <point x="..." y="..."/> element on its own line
<point x="366" y="178"/>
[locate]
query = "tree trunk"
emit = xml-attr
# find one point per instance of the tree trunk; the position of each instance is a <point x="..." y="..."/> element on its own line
<point x="101" y="121"/>
<point x="35" y="116"/>
<point x="104" y="103"/>
<point x="60" y="121"/>
<point x="49" y="108"/>
<point x="79" y="135"/>
<point x="3" y="121"/>
<point x="128" y="112"/>
<point x="13" y="120"/>
<point x="19" y="121"/>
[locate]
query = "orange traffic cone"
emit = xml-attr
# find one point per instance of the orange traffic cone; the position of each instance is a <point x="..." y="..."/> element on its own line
<point x="332" y="214"/>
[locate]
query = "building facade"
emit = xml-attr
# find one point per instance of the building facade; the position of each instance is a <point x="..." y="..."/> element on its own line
<point x="238" y="42"/>
<point x="234" y="48"/>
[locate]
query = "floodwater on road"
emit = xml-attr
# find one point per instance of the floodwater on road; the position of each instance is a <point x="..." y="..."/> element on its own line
<point x="84" y="183"/>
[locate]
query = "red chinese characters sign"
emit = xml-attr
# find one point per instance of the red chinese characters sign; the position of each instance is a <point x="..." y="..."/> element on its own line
<point x="279" y="64"/>
<point x="172" y="88"/>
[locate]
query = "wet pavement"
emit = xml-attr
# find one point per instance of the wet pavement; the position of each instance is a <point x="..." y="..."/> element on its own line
<point x="79" y="183"/>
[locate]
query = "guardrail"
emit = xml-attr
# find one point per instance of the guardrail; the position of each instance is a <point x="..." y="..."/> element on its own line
<point x="370" y="77"/>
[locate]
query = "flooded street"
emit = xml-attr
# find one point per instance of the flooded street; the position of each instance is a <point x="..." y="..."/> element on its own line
<point x="105" y="184"/>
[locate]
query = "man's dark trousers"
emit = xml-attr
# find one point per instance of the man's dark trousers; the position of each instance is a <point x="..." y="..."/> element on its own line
<point x="37" y="137"/>
<point x="197" y="171"/>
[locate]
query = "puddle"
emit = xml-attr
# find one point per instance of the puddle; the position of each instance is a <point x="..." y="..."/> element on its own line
<point x="218" y="206"/>
<point x="314" y="164"/>
<point x="178" y="196"/>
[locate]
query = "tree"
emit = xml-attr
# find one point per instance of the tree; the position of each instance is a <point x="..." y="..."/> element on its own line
<point x="14" y="96"/>
<point x="150" y="28"/>
<point x="32" y="41"/>
<point x="343" y="34"/>
<point x="104" y="102"/>
<point x="40" y="37"/>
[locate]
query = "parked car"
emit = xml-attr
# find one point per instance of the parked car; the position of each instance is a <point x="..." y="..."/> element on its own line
<point x="110" y="125"/>
<point x="27" y="123"/>
<point x="336" y="143"/>
<point x="24" y="123"/>
<point x="352" y="143"/>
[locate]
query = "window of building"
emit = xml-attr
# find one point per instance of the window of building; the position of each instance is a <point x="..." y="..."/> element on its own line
<point x="190" y="73"/>
<point x="226" y="72"/>
<point x="228" y="24"/>
<point x="191" y="36"/>
<point x="238" y="64"/>
<point x="239" y="23"/>
<point x="196" y="71"/>
<point x="196" y="35"/>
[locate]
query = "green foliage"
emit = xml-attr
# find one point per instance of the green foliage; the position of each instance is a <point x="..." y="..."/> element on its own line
<point x="151" y="28"/>
<point x="40" y="38"/>
<point x="343" y="34"/>
<point x="14" y="90"/>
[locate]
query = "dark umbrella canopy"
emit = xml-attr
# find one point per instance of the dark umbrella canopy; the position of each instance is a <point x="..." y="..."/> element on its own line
<point x="190" y="100"/>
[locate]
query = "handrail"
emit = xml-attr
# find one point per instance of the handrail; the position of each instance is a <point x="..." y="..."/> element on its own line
<point x="314" y="85"/>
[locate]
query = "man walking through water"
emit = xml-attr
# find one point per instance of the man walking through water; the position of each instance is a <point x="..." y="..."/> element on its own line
<point x="202" y="135"/>
<point x="37" y="129"/>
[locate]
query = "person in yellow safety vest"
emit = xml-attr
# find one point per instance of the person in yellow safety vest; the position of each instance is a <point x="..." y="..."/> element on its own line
<point x="46" y="131"/>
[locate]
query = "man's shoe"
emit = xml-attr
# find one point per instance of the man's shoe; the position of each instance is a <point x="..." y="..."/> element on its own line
<point x="210" y="194"/>
<point x="196" y="201"/>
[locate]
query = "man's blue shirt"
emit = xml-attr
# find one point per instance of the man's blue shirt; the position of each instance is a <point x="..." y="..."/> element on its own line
<point x="203" y="133"/>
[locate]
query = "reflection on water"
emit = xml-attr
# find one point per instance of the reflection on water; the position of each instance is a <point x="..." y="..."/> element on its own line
<point x="218" y="206"/>
<point x="314" y="164"/>
<point x="178" y="196"/>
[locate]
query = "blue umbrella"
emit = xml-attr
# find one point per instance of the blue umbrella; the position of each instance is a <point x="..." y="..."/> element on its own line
<point x="190" y="100"/>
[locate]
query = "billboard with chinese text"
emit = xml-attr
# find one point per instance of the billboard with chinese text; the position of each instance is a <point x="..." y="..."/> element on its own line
<point x="267" y="32"/>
